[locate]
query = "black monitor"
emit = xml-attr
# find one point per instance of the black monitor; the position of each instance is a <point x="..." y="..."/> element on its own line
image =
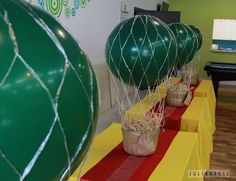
<point x="165" y="16"/>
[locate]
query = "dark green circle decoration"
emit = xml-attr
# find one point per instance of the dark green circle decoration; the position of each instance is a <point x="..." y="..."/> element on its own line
<point x="140" y="51"/>
<point x="199" y="35"/>
<point x="186" y="43"/>
<point x="48" y="96"/>
<point x="54" y="7"/>
<point x="83" y="3"/>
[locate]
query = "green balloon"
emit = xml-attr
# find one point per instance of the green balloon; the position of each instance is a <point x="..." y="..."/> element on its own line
<point x="48" y="96"/>
<point x="186" y="43"/>
<point x="140" y="51"/>
<point x="199" y="35"/>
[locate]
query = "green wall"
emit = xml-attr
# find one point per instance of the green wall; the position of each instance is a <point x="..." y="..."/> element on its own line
<point x="201" y="14"/>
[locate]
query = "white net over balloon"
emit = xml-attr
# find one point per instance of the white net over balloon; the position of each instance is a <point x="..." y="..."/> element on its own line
<point x="190" y="71"/>
<point x="135" y="102"/>
<point x="188" y="61"/>
<point x="54" y="100"/>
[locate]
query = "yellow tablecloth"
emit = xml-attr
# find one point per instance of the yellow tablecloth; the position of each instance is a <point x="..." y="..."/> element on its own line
<point x="142" y="107"/>
<point x="181" y="156"/>
<point x="150" y="100"/>
<point x="206" y="89"/>
<point x="197" y="118"/>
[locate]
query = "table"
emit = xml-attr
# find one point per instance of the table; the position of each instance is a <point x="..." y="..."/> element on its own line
<point x="198" y="117"/>
<point x="220" y="71"/>
<point x="181" y="156"/>
<point x="206" y="89"/>
<point x="194" y="118"/>
<point x="150" y="100"/>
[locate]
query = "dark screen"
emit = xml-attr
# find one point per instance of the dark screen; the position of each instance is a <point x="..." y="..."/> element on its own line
<point x="165" y="16"/>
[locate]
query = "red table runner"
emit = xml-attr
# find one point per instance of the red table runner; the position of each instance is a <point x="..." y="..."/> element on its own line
<point x="172" y="114"/>
<point x="118" y="165"/>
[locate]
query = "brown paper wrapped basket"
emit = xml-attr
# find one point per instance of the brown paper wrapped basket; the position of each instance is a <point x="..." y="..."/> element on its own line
<point x="176" y="97"/>
<point x="140" y="143"/>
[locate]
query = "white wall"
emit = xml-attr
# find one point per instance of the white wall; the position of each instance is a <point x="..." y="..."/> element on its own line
<point x="91" y="27"/>
<point x="94" y="23"/>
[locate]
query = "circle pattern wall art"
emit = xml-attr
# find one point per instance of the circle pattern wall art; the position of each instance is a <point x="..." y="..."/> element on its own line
<point x="57" y="7"/>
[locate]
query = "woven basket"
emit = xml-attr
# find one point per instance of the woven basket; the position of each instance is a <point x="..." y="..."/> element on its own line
<point x="176" y="98"/>
<point x="140" y="143"/>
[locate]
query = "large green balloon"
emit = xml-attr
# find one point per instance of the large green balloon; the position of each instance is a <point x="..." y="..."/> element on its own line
<point x="186" y="43"/>
<point x="199" y="35"/>
<point x="48" y="96"/>
<point x="140" y="51"/>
